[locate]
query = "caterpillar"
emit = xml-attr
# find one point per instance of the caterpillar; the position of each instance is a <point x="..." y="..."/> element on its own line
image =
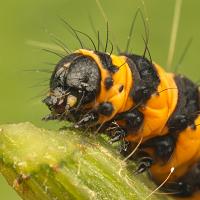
<point x="136" y="101"/>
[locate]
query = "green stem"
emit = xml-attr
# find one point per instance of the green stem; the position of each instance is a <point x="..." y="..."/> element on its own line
<point x="66" y="165"/>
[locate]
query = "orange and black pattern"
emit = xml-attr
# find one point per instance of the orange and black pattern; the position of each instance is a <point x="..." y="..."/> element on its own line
<point x="136" y="101"/>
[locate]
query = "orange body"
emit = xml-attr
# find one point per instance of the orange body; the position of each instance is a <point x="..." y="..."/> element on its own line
<point x="157" y="111"/>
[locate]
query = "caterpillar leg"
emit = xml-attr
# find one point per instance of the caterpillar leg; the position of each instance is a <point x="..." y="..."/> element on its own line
<point x="129" y="122"/>
<point x="144" y="164"/>
<point x="119" y="134"/>
<point x="50" y="117"/>
<point x="124" y="124"/>
<point x="87" y="120"/>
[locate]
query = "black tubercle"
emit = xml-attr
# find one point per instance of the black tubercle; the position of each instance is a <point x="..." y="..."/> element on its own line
<point x="108" y="82"/>
<point x="146" y="79"/>
<point x="141" y="92"/>
<point x="105" y="108"/>
<point x="121" y="88"/>
<point x="133" y="120"/>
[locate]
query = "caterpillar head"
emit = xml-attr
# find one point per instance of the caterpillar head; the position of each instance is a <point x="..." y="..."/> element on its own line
<point x="74" y="82"/>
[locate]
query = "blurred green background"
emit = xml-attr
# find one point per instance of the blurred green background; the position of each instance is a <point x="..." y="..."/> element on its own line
<point x="25" y="22"/>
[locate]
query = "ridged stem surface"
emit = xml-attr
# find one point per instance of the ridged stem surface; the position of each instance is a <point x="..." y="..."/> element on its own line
<point x="66" y="165"/>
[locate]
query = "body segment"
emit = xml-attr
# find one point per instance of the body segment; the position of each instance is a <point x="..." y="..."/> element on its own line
<point x="135" y="100"/>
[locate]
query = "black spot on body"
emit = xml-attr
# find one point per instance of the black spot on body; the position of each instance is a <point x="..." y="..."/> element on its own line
<point x="141" y="93"/>
<point x="105" y="108"/>
<point x="134" y="120"/>
<point x="121" y="88"/>
<point x="179" y="123"/>
<point x="108" y="82"/>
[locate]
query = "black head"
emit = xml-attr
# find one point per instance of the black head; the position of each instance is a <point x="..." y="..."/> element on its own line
<point x="74" y="82"/>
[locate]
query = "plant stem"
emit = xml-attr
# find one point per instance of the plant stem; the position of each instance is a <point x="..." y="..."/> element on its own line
<point x="66" y="165"/>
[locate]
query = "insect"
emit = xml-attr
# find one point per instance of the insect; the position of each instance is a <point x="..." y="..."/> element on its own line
<point x="134" y="100"/>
